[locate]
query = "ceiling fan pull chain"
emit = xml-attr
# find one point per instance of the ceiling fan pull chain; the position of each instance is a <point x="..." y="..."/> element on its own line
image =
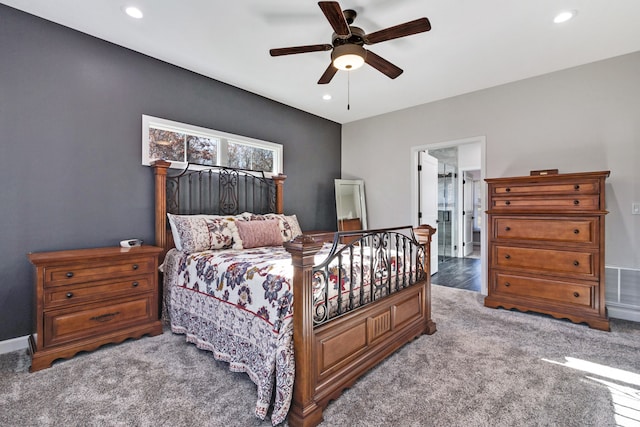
<point x="348" y="90"/>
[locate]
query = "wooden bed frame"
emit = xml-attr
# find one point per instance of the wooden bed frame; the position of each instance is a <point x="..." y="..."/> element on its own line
<point x="332" y="356"/>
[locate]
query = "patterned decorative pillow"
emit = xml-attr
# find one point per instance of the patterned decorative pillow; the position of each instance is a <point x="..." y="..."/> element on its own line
<point x="294" y="226"/>
<point x="259" y="233"/>
<point x="196" y="233"/>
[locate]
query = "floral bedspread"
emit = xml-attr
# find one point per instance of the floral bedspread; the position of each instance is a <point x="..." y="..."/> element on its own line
<point x="238" y="304"/>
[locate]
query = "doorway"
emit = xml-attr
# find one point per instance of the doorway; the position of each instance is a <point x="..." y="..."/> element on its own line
<point x="461" y="261"/>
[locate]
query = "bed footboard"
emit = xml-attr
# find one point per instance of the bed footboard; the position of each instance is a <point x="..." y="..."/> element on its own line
<point x="330" y="356"/>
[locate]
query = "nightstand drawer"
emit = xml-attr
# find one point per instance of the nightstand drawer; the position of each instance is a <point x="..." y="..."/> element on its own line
<point x="571" y="263"/>
<point x="78" y="273"/>
<point x="547" y="229"/>
<point x="61" y="296"/>
<point x="570" y="293"/>
<point x="66" y="325"/>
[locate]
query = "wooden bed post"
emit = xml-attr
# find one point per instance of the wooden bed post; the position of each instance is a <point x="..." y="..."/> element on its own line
<point x="305" y="411"/>
<point x="424" y="233"/>
<point x="160" y="170"/>
<point x="279" y="181"/>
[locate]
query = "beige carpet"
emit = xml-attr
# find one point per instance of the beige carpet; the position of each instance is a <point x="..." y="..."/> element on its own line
<point x="483" y="367"/>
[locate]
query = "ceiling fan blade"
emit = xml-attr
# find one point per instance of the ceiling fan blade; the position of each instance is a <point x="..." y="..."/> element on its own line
<point x="408" y="28"/>
<point x="382" y="65"/>
<point x="300" y="49"/>
<point x="328" y="75"/>
<point x="333" y="12"/>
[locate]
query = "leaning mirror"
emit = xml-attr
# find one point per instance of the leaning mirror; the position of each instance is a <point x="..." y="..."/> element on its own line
<point x="350" y="204"/>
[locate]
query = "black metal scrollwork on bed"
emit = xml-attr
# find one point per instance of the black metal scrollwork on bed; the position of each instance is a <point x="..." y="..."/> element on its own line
<point x="219" y="190"/>
<point x="373" y="265"/>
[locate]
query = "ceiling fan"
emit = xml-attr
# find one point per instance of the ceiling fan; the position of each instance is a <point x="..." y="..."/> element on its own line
<point x="348" y="52"/>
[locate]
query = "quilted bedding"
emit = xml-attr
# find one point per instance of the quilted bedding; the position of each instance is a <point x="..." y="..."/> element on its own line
<point x="238" y="304"/>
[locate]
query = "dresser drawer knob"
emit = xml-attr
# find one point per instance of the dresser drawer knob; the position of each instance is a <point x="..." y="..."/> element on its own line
<point x="576" y="263"/>
<point x="69" y="274"/>
<point x="576" y="231"/>
<point x="575" y="294"/>
<point x="507" y="284"/>
<point x="576" y="187"/>
<point x="508" y="190"/>
<point x="507" y="256"/>
<point x="507" y="229"/>
<point x="576" y="202"/>
<point x="135" y="284"/>
<point x="135" y="266"/>
<point x="69" y="294"/>
<point x="507" y="203"/>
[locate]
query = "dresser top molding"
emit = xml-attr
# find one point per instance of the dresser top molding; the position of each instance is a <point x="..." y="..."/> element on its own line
<point x="551" y="177"/>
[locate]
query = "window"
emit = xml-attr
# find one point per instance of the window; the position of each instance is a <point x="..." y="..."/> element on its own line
<point x="180" y="143"/>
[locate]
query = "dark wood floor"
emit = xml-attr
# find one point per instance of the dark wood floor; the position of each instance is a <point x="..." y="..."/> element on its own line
<point x="461" y="273"/>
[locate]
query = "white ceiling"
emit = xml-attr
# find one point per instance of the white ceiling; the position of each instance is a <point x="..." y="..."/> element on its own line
<point x="473" y="44"/>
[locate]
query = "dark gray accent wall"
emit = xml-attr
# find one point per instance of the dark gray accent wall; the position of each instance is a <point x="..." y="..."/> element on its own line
<point x="70" y="146"/>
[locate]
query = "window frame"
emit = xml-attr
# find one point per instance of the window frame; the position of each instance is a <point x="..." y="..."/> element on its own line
<point x="151" y="122"/>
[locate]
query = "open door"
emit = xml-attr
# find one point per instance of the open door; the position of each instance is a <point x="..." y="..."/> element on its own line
<point x="467" y="214"/>
<point x="428" y="184"/>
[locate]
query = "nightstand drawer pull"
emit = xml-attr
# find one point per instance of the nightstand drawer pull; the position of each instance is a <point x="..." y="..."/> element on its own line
<point x="576" y="263"/>
<point x="104" y="317"/>
<point x="507" y="229"/>
<point x="508" y="190"/>
<point x="507" y="284"/>
<point x="507" y="256"/>
<point x="69" y="274"/>
<point x="576" y="202"/>
<point x="69" y="294"/>
<point x="575" y="294"/>
<point x="135" y="266"/>
<point x="135" y="284"/>
<point x="576" y="187"/>
<point x="507" y="203"/>
<point x="576" y="231"/>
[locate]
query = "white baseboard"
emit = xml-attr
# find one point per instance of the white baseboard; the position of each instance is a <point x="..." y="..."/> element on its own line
<point x="623" y="313"/>
<point x="14" y="344"/>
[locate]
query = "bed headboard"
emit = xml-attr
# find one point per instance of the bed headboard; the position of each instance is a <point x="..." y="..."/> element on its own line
<point x="211" y="190"/>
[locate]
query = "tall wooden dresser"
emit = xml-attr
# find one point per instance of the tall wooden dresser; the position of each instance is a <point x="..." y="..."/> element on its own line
<point x="546" y="245"/>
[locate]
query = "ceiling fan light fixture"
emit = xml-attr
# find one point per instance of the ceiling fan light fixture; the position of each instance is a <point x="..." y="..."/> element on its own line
<point x="348" y="57"/>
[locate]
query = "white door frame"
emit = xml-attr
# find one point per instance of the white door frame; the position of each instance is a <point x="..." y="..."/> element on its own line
<point x="462" y="218"/>
<point x="415" y="150"/>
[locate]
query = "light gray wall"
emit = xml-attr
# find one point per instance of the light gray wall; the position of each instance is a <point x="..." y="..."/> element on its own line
<point x="582" y="119"/>
<point x="70" y="146"/>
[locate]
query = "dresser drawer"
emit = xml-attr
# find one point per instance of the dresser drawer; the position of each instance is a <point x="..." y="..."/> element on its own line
<point x="570" y="263"/>
<point x="78" y="273"/>
<point x="571" y="293"/>
<point x="547" y="188"/>
<point x="63" y="296"/>
<point x="579" y="202"/>
<point x="547" y="229"/>
<point x="61" y="326"/>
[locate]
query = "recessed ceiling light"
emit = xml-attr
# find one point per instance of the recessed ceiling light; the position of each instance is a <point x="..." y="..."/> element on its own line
<point x="564" y="16"/>
<point x="326" y="97"/>
<point x="133" y="12"/>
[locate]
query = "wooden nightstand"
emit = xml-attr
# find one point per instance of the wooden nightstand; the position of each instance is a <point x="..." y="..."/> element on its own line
<point x="86" y="298"/>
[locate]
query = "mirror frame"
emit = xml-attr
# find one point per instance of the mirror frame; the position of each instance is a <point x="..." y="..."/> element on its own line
<point x="359" y="185"/>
